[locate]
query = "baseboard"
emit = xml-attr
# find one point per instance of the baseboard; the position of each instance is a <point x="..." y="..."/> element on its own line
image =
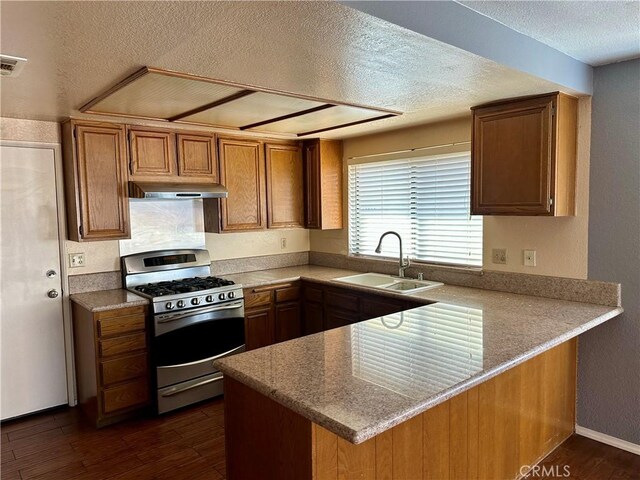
<point x="608" y="440"/>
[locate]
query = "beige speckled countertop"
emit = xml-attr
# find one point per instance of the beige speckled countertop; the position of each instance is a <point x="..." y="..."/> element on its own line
<point x="108" y="300"/>
<point x="360" y="380"/>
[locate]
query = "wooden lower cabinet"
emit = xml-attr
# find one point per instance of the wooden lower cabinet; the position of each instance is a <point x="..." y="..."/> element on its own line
<point x="492" y="431"/>
<point x="259" y="327"/>
<point x="287" y="320"/>
<point x="272" y="314"/>
<point x="112" y="362"/>
<point x="326" y="307"/>
<point x="286" y="311"/>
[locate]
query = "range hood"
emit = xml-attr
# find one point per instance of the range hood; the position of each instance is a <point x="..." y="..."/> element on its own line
<point x="176" y="191"/>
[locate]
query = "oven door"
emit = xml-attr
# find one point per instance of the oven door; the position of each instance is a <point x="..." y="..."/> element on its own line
<point x="186" y="344"/>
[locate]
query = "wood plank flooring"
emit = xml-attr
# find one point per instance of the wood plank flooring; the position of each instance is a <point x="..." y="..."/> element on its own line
<point x="185" y="445"/>
<point x="189" y="445"/>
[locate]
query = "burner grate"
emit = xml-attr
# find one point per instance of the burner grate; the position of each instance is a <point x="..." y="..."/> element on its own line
<point x="184" y="285"/>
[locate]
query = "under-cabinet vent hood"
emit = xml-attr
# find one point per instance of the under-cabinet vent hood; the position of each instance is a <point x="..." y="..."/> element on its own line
<point x="176" y="191"/>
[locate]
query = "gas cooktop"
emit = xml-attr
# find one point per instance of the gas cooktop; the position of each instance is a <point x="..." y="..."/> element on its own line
<point x="184" y="285"/>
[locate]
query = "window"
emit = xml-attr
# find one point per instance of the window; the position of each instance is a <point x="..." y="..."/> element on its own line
<point x="426" y="200"/>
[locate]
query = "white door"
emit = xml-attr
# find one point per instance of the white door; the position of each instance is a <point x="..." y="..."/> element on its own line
<point x="32" y="356"/>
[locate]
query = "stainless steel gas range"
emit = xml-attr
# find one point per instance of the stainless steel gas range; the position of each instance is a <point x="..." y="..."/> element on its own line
<point x="196" y="319"/>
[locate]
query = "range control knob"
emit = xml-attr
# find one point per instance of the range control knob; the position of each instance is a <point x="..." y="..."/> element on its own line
<point x="221" y="296"/>
<point x="180" y="303"/>
<point x="169" y="305"/>
<point x="232" y="295"/>
<point x="209" y="298"/>
<point x="195" y="301"/>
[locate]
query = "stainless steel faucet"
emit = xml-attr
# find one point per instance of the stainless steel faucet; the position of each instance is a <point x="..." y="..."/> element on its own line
<point x="403" y="263"/>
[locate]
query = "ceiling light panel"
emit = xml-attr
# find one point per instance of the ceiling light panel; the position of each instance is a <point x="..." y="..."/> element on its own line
<point x="156" y="95"/>
<point x="331" y="117"/>
<point x="255" y="108"/>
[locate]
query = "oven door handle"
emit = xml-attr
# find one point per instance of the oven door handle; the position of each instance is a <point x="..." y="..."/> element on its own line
<point x="176" y="391"/>
<point x="204" y="360"/>
<point x="215" y="308"/>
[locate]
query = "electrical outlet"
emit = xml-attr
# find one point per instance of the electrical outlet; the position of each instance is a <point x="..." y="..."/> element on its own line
<point x="529" y="258"/>
<point x="499" y="255"/>
<point x="76" y="260"/>
<point x="283" y="243"/>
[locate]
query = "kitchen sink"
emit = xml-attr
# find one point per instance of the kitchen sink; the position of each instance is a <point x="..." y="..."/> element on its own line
<point x="389" y="282"/>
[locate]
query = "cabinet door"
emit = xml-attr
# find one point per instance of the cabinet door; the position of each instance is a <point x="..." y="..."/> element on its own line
<point x="242" y="171"/>
<point x="373" y="306"/>
<point x="513" y="157"/>
<point x="288" y="321"/>
<point x="152" y="152"/>
<point x="197" y="156"/>
<point x="102" y="181"/>
<point x="312" y="184"/>
<point x="284" y="186"/>
<point x="313" y="318"/>
<point x="335" y="318"/>
<point x="258" y="327"/>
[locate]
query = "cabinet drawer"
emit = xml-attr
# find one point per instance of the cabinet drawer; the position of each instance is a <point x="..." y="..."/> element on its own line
<point x="118" y="325"/>
<point x="342" y="300"/>
<point x="288" y="294"/>
<point x="121" y="369"/>
<point x="125" y="344"/>
<point x="120" y="312"/>
<point x="125" y="396"/>
<point x="312" y="294"/>
<point x="254" y="298"/>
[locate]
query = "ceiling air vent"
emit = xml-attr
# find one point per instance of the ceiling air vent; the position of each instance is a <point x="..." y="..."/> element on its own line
<point x="11" y="66"/>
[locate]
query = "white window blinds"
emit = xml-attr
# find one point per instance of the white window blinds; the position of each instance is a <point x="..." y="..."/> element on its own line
<point x="426" y="200"/>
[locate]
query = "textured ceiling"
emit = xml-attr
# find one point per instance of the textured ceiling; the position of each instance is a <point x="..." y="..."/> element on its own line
<point x="594" y="32"/>
<point x="323" y="49"/>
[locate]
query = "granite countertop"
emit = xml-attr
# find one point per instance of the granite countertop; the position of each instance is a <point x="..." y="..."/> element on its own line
<point x="108" y="300"/>
<point x="360" y="380"/>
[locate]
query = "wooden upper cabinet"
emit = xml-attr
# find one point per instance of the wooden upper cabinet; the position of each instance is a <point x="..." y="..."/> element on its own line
<point x="152" y="152"/>
<point x="242" y="172"/>
<point x="285" y="197"/>
<point x="524" y="156"/>
<point x="172" y="156"/>
<point x="95" y="167"/>
<point x="197" y="156"/>
<point x="323" y="184"/>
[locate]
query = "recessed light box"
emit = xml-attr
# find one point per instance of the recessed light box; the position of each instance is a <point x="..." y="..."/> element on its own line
<point x="252" y="109"/>
<point x="321" y="120"/>
<point x="159" y="96"/>
<point x="179" y="97"/>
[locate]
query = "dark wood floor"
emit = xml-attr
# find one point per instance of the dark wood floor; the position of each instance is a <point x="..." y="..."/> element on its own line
<point x="59" y="445"/>
<point x="189" y="445"/>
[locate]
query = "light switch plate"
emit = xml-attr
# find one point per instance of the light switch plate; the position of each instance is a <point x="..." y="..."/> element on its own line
<point x="499" y="255"/>
<point x="529" y="258"/>
<point x="283" y="243"/>
<point x="76" y="260"/>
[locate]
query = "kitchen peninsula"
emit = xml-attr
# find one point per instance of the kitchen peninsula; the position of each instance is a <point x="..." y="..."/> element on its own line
<point x="476" y="385"/>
